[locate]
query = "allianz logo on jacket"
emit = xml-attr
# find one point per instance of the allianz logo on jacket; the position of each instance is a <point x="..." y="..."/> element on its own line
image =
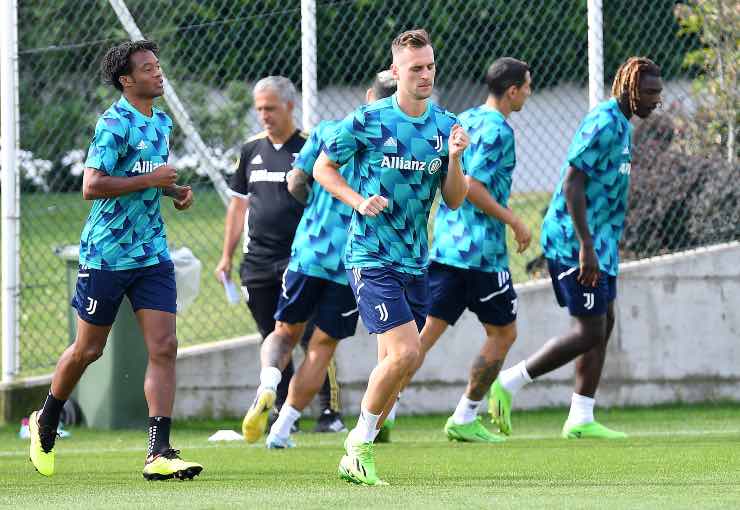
<point x="402" y="163"/>
<point x="145" y="167"/>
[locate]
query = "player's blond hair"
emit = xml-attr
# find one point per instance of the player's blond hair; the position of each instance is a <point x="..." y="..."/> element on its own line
<point x="627" y="81"/>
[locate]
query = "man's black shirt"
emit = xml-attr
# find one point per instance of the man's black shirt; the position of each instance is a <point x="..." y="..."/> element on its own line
<point x="273" y="212"/>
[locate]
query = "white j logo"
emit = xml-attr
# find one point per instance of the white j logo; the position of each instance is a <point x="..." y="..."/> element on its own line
<point x="383" y="311"/>
<point x="589" y="304"/>
<point x="92" y="305"/>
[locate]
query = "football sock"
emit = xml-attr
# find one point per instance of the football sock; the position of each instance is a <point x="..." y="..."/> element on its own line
<point x="581" y="410"/>
<point x="365" y="430"/>
<point x="466" y="410"/>
<point x="515" y="378"/>
<point x="159" y="434"/>
<point x="281" y="392"/>
<point x="285" y="420"/>
<point x="52" y="408"/>
<point x="270" y="378"/>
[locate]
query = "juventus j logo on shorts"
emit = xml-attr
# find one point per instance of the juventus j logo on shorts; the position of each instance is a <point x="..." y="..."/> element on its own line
<point x="589" y="304"/>
<point x="383" y="311"/>
<point x="92" y="305"/>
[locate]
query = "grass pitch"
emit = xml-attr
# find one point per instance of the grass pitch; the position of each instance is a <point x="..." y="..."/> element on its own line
<point x="677" y="457"/>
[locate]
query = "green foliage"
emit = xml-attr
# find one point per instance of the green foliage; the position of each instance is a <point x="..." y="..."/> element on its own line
<point x="636" y="27"/>
<point x="221" y="116"/>
<point x="210" y="49"/>
<point x="717" y="24"/>
<point x="678" y="200"/>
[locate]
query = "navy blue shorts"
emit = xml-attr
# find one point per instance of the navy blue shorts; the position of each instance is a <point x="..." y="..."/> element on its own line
<point x="388" y="298"/>
<point x="99" y="292"/>
<point x="331" y="304"/>
<point x="579" y="299"/>
<point x="490" y="296"/>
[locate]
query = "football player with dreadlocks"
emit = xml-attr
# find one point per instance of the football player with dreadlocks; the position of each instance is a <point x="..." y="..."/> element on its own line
<point x="580" y="239"/>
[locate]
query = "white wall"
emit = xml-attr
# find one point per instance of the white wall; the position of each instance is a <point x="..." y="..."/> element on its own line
<point x="676" y="340"/>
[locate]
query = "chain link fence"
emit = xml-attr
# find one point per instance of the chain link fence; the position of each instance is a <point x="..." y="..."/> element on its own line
<point x="685" y="191"/>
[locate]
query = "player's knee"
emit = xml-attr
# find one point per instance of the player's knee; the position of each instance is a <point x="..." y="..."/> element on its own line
<point x="163" y="349"/>
<point x="87" y="354"/>
<point x="589" y="339"/>
<point x="504" y="336"/>
<point x="322" y="339"/>
<point x="406" y="357"/>
<point x="288" y="333"/>
<point x="500" y="338"/>
<point x="591" y="332"/>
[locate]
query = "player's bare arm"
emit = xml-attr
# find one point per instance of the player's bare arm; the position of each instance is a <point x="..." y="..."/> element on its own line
<point x="455" y="187"/>
<point x="479" y="196"/>
<point x="327" y="173"/>
<point x="574" y="188"/>
<point x="232" y="233"/>
<point x="299" y="185"/>
<point x="97" y="184"/>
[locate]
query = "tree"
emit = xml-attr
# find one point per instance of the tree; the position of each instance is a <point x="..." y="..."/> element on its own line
<point x="717" y="22"/>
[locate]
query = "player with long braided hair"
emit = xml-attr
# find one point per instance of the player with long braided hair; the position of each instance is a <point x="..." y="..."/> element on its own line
<point x="580" y="239"/>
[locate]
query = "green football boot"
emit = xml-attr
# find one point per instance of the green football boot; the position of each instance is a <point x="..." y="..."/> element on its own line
<point x="42" y="446"/>
<point x="168" y="465"/>
<point x="499" y="405"/>
<point x="358" y="466"/>
<point x="255" y="421"/>
<point x="473" y="432"/>
<point x="591" y="430"/>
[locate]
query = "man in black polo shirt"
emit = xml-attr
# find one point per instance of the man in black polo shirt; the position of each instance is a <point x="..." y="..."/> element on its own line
<point x="260" y="193"/>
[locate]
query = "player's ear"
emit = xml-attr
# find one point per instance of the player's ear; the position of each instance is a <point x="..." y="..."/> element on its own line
<point x="394" y="71"/>
<point x="290" y="105"/>
<point x="125" y="80"/>
<point x="369" y="96"/>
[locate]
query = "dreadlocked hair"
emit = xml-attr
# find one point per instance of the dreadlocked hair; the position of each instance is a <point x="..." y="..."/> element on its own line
<point x="117" y="60"/>
<point x="627" y="80"/>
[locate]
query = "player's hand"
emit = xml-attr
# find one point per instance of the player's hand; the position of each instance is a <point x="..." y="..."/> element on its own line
<point x="522" y="235"/>
<point x="589" y="266"/>
<point x="372" y="206"/>
<point x="163" y="177"/>
<point x="185" y="198"/>
<point x="223" y="270"/>
<point x="458" y="141"/>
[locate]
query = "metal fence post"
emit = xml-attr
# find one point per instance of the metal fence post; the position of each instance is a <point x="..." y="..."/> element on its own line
<point x="595" y="52"/>
<point x="10" y="186"/>
<point x="309" y="87"/>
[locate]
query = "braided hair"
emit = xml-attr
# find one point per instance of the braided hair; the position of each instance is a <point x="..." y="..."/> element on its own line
<point x="627" y="81"/>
